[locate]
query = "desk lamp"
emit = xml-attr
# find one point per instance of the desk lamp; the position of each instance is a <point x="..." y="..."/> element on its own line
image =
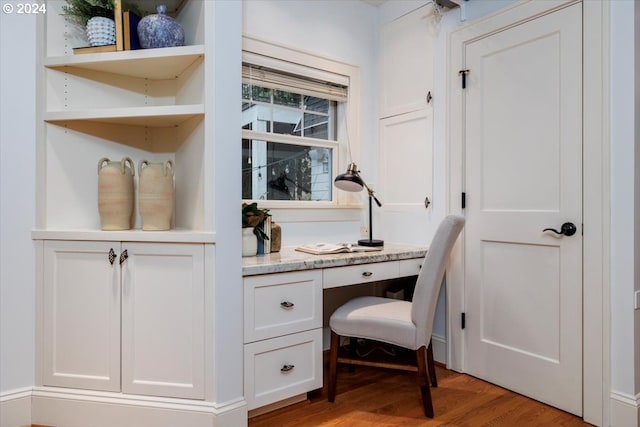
<point x="351" y="181"/>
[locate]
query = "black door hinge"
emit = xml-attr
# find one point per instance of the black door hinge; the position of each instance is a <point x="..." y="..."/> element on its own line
<point x="463" y="322"/>
<point x="464" y="200"/>
<point x="464" y="73"/>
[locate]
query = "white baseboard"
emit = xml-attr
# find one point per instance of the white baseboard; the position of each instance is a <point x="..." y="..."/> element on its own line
<point x="53" y="406"/>
<point x="625" y="410"/>
<point x="439" y="346"/>
<point x="15" y="408"/>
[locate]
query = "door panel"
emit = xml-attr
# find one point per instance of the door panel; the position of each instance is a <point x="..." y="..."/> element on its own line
<point x="81" y="316"/>
<point x="163" y="320"/>
<point x="523" y="173"/>
<point x="406" y="161"/>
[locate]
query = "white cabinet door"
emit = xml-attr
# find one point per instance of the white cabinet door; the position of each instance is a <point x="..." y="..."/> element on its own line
<point x="407" y="62"/>
<point x="406" y="166"/>
<point x="163" y="320"/>
<point x="81" y="315"/>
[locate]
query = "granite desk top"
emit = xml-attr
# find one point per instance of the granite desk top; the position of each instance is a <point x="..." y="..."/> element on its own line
<point x="288" y="259"/>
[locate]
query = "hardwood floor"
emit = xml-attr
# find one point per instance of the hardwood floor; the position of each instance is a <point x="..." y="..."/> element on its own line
<point x="386" y="398"/>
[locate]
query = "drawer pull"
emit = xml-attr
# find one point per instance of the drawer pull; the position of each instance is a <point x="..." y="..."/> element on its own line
<point x="367" y="274"/>
<point x="286" y="305"/>
<point x="287" y="368"/>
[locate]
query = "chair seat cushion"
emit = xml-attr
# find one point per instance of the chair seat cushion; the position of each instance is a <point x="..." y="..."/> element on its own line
<point x="381" y="319"/>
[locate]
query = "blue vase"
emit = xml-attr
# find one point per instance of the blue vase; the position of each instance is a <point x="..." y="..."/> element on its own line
<point x="160" y="30"/>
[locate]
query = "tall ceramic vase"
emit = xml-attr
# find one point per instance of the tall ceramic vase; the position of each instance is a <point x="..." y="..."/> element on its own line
<point x="115" y="193"/>
<point x="155" y="194"/>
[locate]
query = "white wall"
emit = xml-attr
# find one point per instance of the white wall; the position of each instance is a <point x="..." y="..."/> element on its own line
<point x="637" y="190"/>
<point x="625" y="262"/>
<point x="17" y="200"/>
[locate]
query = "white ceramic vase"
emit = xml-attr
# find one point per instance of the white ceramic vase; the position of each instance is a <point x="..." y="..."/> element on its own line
<point x="101" y="31"/>
<point x="115" y="193"/>
<point x="156" y="194"/>
<point x="249" y="242"/>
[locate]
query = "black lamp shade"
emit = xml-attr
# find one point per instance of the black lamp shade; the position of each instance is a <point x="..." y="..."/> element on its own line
<point x="350" y="180"/>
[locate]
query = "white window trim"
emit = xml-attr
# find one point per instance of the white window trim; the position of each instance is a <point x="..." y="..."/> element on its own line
<point x="345" y="206"/>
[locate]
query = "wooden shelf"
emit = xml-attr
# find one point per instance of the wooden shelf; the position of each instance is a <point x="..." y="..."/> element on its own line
<point x="156" y="64"/>
<point x="160" y="116"/>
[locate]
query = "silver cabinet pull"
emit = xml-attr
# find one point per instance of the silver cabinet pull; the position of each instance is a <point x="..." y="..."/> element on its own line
<point x="367" y="274"/>
<point x="286" y="304"/>
<point x="287" y="368"/>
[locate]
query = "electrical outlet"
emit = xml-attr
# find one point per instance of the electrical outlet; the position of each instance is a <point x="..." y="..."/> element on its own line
<point x="364" y="231"/>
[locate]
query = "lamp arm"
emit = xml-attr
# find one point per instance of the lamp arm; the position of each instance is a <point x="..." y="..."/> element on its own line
<point x="370" y="191"/>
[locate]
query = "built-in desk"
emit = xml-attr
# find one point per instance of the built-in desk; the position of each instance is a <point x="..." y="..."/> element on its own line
<point x="283" y="313"/>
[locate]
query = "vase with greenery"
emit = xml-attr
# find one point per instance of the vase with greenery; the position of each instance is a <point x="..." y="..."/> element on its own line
<point x="253" y="216"/>
<point x="97" y="17"/>
<point x="253" y="219"/>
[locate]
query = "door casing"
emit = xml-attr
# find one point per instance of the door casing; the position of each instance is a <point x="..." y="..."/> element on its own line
<point x="596" y="325"/>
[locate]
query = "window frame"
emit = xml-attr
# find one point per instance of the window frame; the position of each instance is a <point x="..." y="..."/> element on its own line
<point x="345" y="206"/>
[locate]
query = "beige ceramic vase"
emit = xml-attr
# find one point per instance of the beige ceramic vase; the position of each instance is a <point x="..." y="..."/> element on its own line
<point x="115" y="193"/>
<point x="155" y="194"/>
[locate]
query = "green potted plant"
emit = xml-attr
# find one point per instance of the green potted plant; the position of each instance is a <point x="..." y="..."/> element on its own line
<point x="252" y="220"/>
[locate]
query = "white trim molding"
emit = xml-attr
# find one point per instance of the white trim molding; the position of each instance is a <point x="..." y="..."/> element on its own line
<point x="625" y="410"/>
<point x="439" y="346"/>
<point x="15" y="407"/>
<point x="64" y="406"/>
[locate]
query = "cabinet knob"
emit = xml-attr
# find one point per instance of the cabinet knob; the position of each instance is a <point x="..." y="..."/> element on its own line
<point x="286" y="305"/>
<point x="112" y="256"/>
<point x="123" y="256"/>
<point x="427" y="202"/>
<point x="287" y="368"/>
<point x="367" y="274"/>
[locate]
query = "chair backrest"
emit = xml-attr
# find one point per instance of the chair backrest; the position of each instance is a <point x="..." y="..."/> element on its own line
<point x="425" y="296"/>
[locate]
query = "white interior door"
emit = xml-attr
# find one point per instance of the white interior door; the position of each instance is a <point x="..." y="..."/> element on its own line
<point x="523" y="173"/>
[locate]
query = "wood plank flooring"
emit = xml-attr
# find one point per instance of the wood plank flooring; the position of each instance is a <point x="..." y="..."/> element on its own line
<point x="386" y="398"/>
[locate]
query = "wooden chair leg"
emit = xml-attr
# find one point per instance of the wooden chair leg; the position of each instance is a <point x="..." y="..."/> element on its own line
<point x="333" y="366"/>
<point x="431" y="366"/>
<point x="423" y="381"/>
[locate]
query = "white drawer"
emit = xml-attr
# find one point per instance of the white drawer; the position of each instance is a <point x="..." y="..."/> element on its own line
<point x="362" y="273"/>
<point x="410" y="267"/>
<point x="282" y="367"/>
<point x="280" y="304"/>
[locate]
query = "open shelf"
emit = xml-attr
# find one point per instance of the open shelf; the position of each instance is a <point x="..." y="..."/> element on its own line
<point x="157" y="64"/>
<point x="159" y="116"/>
<point x="137" y="235"/>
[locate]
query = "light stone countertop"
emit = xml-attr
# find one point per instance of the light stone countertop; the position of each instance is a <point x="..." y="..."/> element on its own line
<point x="288" y="259"/>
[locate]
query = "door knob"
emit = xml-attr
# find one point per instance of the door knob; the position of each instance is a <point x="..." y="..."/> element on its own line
<point x="567" y="229"/>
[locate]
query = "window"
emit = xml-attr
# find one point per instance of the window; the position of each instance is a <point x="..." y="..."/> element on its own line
<point x="289" y="135"/>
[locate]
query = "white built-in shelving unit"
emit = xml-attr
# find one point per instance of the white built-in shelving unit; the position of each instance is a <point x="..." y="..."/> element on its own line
<point x="144" y="104"/>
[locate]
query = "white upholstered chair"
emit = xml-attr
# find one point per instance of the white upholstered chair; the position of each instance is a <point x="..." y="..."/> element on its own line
<point x="402" y="323"/>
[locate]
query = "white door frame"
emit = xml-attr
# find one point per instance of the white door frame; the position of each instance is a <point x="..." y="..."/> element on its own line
<point x="596" y="323"/>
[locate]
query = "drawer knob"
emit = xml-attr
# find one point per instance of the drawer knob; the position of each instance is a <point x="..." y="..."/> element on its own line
<point x="286" y="304"/>
<point x="367" y="274"/>
<point x="287" y="368"/>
